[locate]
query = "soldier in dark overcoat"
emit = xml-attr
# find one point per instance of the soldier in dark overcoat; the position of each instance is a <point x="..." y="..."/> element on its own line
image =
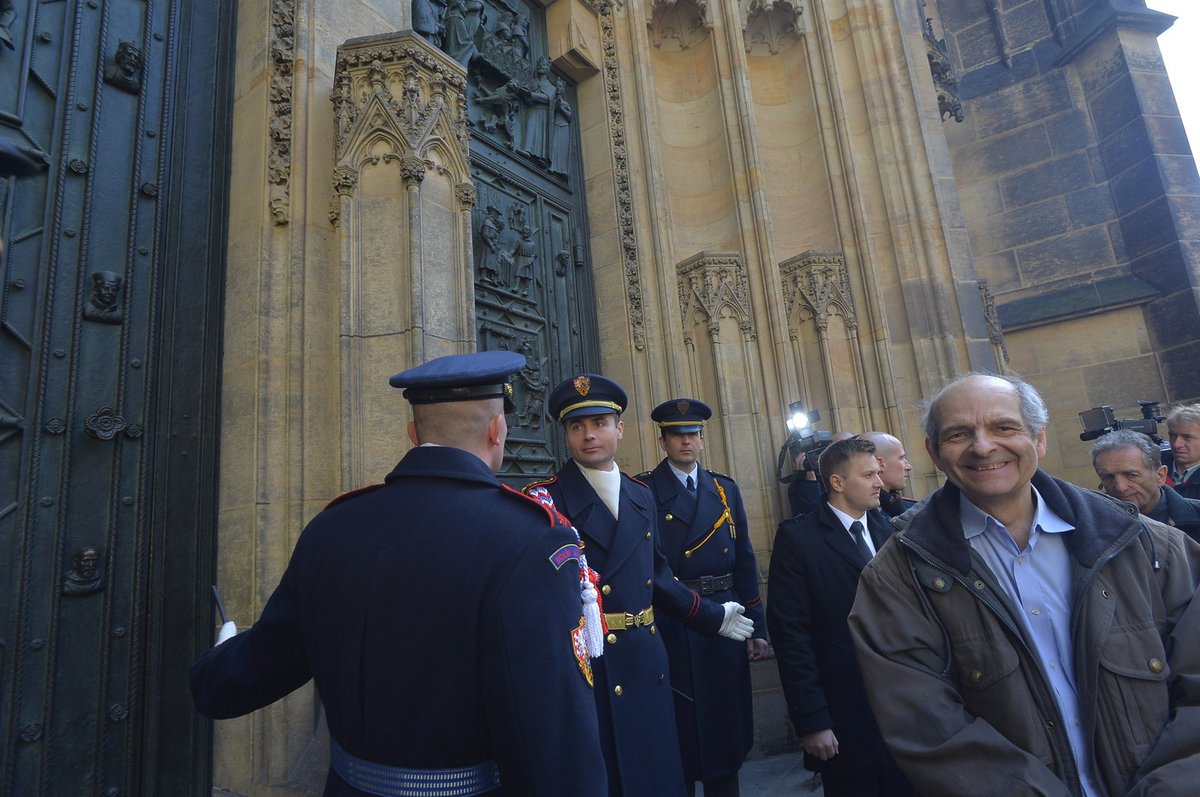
<point x="705" y="538"/>
<point x="615" y="518"/>
<point x="439" y="614"/>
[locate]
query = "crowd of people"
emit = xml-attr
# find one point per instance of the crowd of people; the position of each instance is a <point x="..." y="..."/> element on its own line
<point x="1011" y="633"/>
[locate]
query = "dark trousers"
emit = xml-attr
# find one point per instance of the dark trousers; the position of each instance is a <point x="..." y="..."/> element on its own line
<point x="724" y="786"/>
<point x="845" y="781"/>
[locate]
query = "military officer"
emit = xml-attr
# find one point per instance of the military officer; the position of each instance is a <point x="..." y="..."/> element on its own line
<point x="615" y="518"/>
<point x="705" y="538"/>
<point x="438" y="613"/>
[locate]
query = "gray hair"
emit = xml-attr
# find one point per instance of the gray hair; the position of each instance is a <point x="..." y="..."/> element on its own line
<point x="1127" y="438"/>
<point x="1184" y="413"/>
<point x="1033" y="407"/>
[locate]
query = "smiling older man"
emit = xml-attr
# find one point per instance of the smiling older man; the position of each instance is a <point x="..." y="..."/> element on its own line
<point x="1021" y="635"/>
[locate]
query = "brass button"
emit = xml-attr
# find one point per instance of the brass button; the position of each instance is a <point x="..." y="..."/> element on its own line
<point x="647" y="535"/>
<point x="669" y="516"/>
<point x="725" y="552"/>
<point x="606" y="589"/>
<point x="649" y="582"/>
<point x="687" y="554"/>
<point x="653" y="630"/>
<point x="1156" y="665"/>
<point x="618" y="691"/>
<point x="939" y="583"/>
<point x="612" y="639"/>
<point x="976" y="676"/>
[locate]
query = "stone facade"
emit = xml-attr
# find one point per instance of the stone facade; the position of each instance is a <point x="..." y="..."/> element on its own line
<point x="774" y="214"/>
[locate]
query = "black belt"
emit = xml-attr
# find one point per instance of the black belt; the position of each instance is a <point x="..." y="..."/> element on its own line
<point x="707" y="585"/>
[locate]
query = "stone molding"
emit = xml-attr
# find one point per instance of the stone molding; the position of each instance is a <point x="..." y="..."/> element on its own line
<point x="709" y="282"/>
<point x="279" y="123"/>
<point x="615" y="109"/>
<point x="992" y="318"/>
<point x="770" y="27"/>
<point x="816" y="286"/>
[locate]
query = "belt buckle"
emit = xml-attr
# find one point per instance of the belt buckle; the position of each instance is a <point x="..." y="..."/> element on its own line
<point x="706" y="585"/>
<point x="633" y="620"/>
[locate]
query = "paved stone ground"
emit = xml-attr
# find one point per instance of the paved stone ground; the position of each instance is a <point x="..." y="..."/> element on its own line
<point x="779" y="776"/>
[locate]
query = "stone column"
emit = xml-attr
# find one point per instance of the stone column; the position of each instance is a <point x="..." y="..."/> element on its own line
<point x="402" y="199"/>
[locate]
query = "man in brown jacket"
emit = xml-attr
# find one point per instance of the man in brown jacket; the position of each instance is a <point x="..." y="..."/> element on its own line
<point x="1023" y="636"/>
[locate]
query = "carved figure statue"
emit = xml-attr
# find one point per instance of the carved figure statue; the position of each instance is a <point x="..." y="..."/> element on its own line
<point x="560" y="142"/>
<point x="84" y="576"/>
<point x="104" y="303"/>
<point x="519" y="40"/>
<point x="425" y="21"/>
<point x="125" y="72"/>
<point x="8" y="15"/>
<point x="461" y="25"/>
<point x="489" y="254"/>
<point x="500" y="110"/>
<point x="524" y="254"/>
<point x="537" y="119"/>
<point x="532" y="384"/>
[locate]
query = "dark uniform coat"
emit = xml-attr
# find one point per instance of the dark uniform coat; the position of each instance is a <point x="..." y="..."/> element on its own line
<point x="710" y="675"/>
<point x="813" y="578"/>
<point x="436" y="620"/>
<point x="632" y="688"/>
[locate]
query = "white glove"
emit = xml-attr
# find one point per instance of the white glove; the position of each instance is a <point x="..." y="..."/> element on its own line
<point x="229" y="631"/>
<point x="736" y="626"/>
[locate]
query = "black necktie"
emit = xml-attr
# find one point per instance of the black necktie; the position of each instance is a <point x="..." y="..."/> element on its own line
<point x="691" y="485"/>
<point x="856" y="529"/>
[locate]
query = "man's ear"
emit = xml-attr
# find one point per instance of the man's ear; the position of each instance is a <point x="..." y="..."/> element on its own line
<point x="412" y="433"/>
<point x="662" y="443"/>
<point x="496" y="428"/>
<point x="837" y="483"/>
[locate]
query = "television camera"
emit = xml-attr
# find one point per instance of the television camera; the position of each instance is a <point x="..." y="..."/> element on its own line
<point x="802" y="438"/>
<point x="1099" y="421"/>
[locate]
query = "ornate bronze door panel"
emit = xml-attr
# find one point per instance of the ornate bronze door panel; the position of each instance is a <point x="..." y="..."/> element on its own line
<point x="533" y="283"/>
<point x="109" y="336"/>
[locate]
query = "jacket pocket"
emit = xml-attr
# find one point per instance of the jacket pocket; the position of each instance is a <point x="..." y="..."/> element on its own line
<point x="1132" y="700"/>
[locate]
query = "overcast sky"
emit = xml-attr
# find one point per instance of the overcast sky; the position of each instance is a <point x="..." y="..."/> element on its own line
<point x="1181" y="50"/>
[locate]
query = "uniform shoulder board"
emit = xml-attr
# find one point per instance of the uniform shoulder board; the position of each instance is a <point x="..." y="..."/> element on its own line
<point x="642" y="477"/>
<point x="353" y="494"/>
<point x="637" y="479"/>
<point x="718" y="474"/>
<point x="526" y="498"/>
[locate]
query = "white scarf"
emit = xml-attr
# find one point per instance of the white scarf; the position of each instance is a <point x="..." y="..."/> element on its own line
<point x="607" y="484"/>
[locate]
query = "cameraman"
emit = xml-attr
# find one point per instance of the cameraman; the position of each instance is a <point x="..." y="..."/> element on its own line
<point x="1130" y="469"/>
<point x="806" y="491"/>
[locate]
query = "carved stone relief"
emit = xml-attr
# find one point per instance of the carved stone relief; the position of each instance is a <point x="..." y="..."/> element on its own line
<point x="616" y="127"/>
<point x="8" y="16"/>
<point x="816" y="286"/>
<point x="770" y="27"/>
<point x="279" y="125"/>
<point x="83" y="576"/>
<point x="992" y="319"/>
<point x="944" y="80"/>
<point x="104" y="304"/>
<point x="715" y="285"/>
<point x="677" y="25"/>
<point x="403" y="95"/>
<point x="125" y="70"/>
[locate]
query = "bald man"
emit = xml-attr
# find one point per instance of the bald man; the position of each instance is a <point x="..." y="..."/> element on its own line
<point x="894" y="461"/>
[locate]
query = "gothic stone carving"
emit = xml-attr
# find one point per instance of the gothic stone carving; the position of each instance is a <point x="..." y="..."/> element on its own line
<point x="992" y="319"/>
<point x="279" y="158"/>
<point x="401" y="93"/>
<point x="817" y="286"/>
<point x="710" y="282"/>
<point x="677" y="25"/>
<point x="616" y="127"/>
<point x="944" y="80"/>
<point x="770" y="27"/>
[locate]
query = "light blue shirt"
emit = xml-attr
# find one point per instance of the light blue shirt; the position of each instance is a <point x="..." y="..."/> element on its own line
<point x="1038" y="582"/>
<point x="683" y="477"/>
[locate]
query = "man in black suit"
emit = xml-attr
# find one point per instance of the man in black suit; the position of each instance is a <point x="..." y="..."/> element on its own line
<point x="438" y="613"/>
<point x="1129" y="467"/>
<point x="706" y="539"/>
<point x="615" y="517"/>
<point x="814" y="574"/>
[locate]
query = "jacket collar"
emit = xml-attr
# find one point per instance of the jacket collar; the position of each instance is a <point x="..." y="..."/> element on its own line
<point x="444" y="462"/>
<point x="1098" y="520"/>
<point x="1180" y="510"/>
